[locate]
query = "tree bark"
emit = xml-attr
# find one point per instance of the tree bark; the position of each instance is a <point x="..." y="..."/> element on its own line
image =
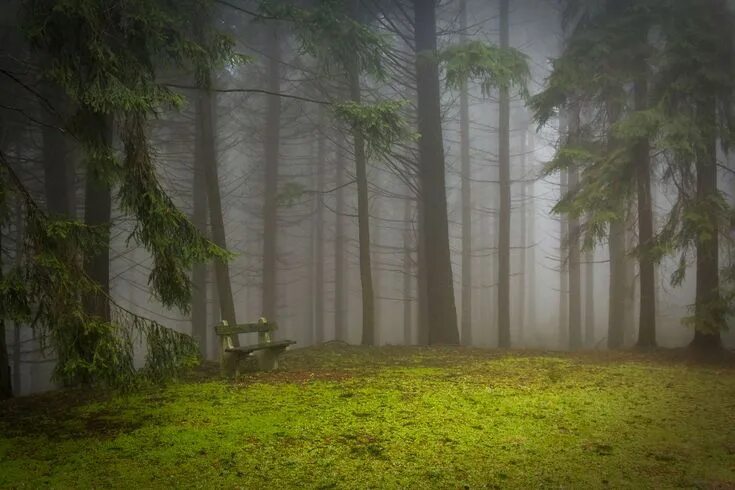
<point x="709" y="320"/>
<point x="575" y="289"/>
<point x="442" y="314"/>
<point x="523" y="245"/>
<point x="319" y="234"/>
<point x="199" y="218"/>
<point x="340" y="267"/>
<point x="532" y="227"/>
<point x="407" y="275"/>
<point x="6" y="379"/>
<point x="563" y="268"/>
<point x="271" y="162"/>
<point x="205" y="109"/>
<point x="589" y="299"/>
<point x="642" y="159"/>
<point x="97" y="213"/>
<point x="615" y="326"/>
<point x="363" y="222"/>
<point x="464" y="129"/>
<point x="505" y="203"/>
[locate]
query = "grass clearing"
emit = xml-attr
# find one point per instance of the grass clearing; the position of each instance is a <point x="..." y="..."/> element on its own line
<point x="390" y="417"/>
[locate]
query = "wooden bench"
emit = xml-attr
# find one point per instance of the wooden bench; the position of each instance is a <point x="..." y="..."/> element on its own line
<point x="267" y="351"/>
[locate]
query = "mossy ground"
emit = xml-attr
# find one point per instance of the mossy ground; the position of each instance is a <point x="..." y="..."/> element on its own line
<point x="348" y="417"/>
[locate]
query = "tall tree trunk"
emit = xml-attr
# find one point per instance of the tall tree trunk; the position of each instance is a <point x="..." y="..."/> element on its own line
<point x="630" y="318"/>
<point x="464" y="129"/>
<point x="505" y="203"/>
<point x="442" y="314"/>
<point x="589" y="298"/>
<point x="523" y="245"/>
<point x="709" y="320"/>
<point x="6" y="379"/>
<point x="340" y="272"/>
<point x="375" y="248"/>
<point x="575" y="289"/>
<point x="532" y="227"/>
<point x="319" y="234"/>
<point x="407" y="275"/>
<point x="17" y="342"/>
<point x="97" y="213"/>
<point x="199" y="217"/>
<point x="205" y="110"/>
<point x="363" y="222"/>
<point x="272" y="144"/>
<point x="422" y="291"/>
<point x="642" y="161"/>
<point x="615" y="326"/>
<point x="58" y="167"/>
<point x="563" y="268"/>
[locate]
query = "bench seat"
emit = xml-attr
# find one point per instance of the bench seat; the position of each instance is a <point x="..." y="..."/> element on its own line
<point x="265" y="351"/>
<point x="247" y="349"/>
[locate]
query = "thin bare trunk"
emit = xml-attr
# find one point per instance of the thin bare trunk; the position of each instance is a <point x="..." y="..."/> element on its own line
<point x="464" y="122"/>
<point x="407" y="275"/>
<point x="340" y="267"/>
<point x="199" y="217"/>
<point x="589" y="298"/>
<point x="363" y="224"/>
<point x="271" y="162"/>
<point x="505" y="203"/>
<point x="575" y="289"/>
<point x="319" y="234"/>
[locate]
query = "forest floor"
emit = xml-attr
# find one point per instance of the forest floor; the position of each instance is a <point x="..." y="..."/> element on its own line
<point x="391" y="417"/>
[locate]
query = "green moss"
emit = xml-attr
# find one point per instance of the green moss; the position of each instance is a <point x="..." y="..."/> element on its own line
<point x="340" y="417"/>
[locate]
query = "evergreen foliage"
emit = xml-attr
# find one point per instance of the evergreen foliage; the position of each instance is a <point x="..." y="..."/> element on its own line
<point x="687" y="47"/>
<point x="108" y="70"/>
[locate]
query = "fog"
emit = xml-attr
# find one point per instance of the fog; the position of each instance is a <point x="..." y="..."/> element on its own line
<point x="288" y="200"/>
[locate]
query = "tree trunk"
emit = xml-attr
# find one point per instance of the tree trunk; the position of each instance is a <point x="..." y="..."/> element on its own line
<point x="589" y="298"/>
<point x="340" y="273"/>
<point x="6" y="378"/>
<point x="532" y="227"/>
<point x="363" y="222"/>
<point x="708" y="318"/>
<point x="97" y="213"/>
<point x="17" y="342"/>
<point x="199" y="218"/>
<point x="505" y="203"/>
<point x="407" y="275"/>
<point x="523" y="245"/>
<point x="575" y="289"/>
<point x="272" y="144"/>
<point x="442" y="314"/>
<point x="464" y="129"/>
<point x="642" y="161"/>
<point x="319" y="234"/>
<point x="615" y="326"/>
<point x="563" y="268"/>
<point x="421" y="267"/>
<point x="58" y="168"/>
<point x="205" y="109"/>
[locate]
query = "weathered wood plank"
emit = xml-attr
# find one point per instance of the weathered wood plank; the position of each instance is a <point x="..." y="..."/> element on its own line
<point x="246" y="349"/>
<point x="245" y="328"/>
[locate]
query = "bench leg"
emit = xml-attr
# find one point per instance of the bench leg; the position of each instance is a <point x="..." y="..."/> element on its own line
<point x="268" y="359"/>
<point x="229" y="364"/>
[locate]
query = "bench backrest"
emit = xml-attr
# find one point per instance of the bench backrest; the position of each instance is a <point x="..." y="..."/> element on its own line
<point x="227" y="332"/>
<point x="225" y="329"/>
